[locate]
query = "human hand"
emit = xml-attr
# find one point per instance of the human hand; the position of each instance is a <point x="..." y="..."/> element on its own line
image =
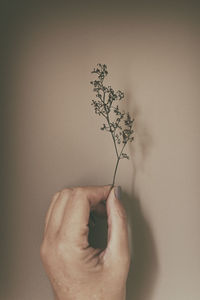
<point x="76" y="270"/>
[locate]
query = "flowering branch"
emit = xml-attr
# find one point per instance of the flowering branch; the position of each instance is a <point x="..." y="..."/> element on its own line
<point x="105" y="105"/>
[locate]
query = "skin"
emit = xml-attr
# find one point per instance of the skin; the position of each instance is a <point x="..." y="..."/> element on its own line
<point x="76" y="270"/>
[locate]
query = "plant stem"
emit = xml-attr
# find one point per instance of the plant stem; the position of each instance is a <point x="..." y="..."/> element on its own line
<point x="108" y="120"/>
<point x="113" y="183"/>
<point x="117" y="163"/>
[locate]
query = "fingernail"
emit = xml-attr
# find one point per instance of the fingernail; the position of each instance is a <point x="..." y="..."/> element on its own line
<point x="117" y="191"/>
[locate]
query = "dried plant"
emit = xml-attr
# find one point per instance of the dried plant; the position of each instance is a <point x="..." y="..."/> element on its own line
<point x="118" y="123"/>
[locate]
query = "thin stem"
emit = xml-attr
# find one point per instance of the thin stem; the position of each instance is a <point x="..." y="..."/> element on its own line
<point x="103" y="114"/>
<point x="118" y="159"/>
<point x="113" y="138"/>
<point x="113" y="183"/>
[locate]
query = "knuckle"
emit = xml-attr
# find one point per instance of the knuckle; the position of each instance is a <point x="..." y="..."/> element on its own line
<point x="78" y="191"/>
<point x="43" y="251"/>
<point x="60" y="248"/>
<point x="66" y="192"/>
<point x="62" y="251"/>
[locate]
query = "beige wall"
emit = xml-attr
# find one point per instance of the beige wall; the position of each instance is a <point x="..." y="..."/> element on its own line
<point x="53" y="140"/>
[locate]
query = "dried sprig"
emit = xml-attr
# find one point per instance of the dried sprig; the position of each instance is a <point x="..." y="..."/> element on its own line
<point x="118" y="123"/>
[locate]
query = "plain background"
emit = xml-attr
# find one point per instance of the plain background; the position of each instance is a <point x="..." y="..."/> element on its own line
<point x="51" y="137"/>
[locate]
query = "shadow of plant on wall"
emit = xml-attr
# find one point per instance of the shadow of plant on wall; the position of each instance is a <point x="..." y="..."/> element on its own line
<point x="143" y="141"/>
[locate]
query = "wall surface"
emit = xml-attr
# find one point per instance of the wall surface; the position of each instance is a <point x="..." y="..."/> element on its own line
<point x="52" y="138"/>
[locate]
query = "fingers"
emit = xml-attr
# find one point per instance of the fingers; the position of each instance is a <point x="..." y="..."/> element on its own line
<point x="77" y="210"/>
<point x="69" y="210"/>
<point x="118" y="246"/>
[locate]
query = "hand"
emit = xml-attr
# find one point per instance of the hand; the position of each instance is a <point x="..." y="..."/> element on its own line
<point x="76" y="270"/>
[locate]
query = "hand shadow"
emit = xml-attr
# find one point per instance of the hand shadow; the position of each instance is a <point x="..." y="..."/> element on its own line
<point x="144" y="262"/>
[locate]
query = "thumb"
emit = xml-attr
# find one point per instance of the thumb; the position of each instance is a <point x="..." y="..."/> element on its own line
<point x="118" y="246"/>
